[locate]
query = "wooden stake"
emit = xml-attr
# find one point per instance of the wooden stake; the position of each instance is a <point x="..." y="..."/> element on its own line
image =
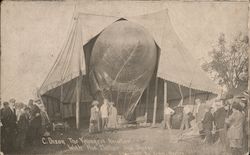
<point x="155" y="101"/>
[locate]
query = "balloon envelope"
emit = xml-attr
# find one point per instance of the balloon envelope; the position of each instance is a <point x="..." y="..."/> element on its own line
<point x="122" y="63"/>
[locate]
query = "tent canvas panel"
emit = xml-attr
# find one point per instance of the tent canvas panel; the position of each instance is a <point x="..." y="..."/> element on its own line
<point x="175" y="66"/>
<point x="66" y="107"/>
<point x="52" y="105"/>
<point x="175" y="63"/>
<point x="69" y="91"/>
<point x="174" y="97"/>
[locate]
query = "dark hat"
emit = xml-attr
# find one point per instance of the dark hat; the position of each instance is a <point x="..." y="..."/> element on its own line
<point x="26" y="108"/>
<point x="236" y="106"/>
<point x="5" y="103"/>
<point x="31" y="100"/>
<point x="225" y="103"/>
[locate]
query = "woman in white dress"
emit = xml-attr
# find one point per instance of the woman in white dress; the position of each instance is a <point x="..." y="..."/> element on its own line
<point x="112" y="116"/>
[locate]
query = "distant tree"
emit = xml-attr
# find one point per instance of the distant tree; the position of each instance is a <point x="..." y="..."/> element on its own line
<point x="229" y="61"/>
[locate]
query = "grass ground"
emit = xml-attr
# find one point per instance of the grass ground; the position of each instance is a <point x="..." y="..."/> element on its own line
<point x="130" y="141"/>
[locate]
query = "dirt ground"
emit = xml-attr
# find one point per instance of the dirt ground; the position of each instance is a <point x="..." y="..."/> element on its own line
<point x="130" y="141"/>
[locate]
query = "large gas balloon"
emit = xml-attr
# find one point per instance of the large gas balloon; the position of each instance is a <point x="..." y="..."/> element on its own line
<point x="123" y="60"/>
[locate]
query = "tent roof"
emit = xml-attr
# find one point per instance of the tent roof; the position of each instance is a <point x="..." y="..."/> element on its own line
<point x="175" y="64"/>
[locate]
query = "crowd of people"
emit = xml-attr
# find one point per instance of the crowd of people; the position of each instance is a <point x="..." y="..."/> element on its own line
<point x="224" y="122"/>
<point x="103" y="118"/>
<point x="22" y="124"/>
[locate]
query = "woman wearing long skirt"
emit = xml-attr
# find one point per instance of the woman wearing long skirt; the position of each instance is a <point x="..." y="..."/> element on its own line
<point x="94" y="125"/>
<point x="112" y="116"/>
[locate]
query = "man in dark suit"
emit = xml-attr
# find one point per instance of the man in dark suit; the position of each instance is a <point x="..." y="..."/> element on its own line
<point x="220" y="116"/>
<point x="35" y="122"/>
<point x="8" y="119"/>
<point x="22" y="126"/>
<point x="208" y="125"/>
<point x="1" y="137"/>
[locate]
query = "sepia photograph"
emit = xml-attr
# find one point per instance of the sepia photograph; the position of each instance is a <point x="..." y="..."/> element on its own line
<point x="124" y="78"/>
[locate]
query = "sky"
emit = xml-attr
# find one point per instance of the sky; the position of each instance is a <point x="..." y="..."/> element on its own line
<point x="33" y="33"/>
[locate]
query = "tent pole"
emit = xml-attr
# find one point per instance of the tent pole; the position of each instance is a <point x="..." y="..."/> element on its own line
<point x="140" y="110"/>
<point x="77" y="103"/>
<point x="61" y="101"/>
<point x="165" y="94"/>
<point x="147" y="99"/>
<point x="194" y="102"/>
<point x="207" y="96"/>
<point x="78" y="97"/>
<point x="155" y="100"/>
<point x="190" y="95"/>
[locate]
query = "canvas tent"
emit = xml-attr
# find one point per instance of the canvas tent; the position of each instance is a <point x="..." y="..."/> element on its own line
<point x="66" y="90"/>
